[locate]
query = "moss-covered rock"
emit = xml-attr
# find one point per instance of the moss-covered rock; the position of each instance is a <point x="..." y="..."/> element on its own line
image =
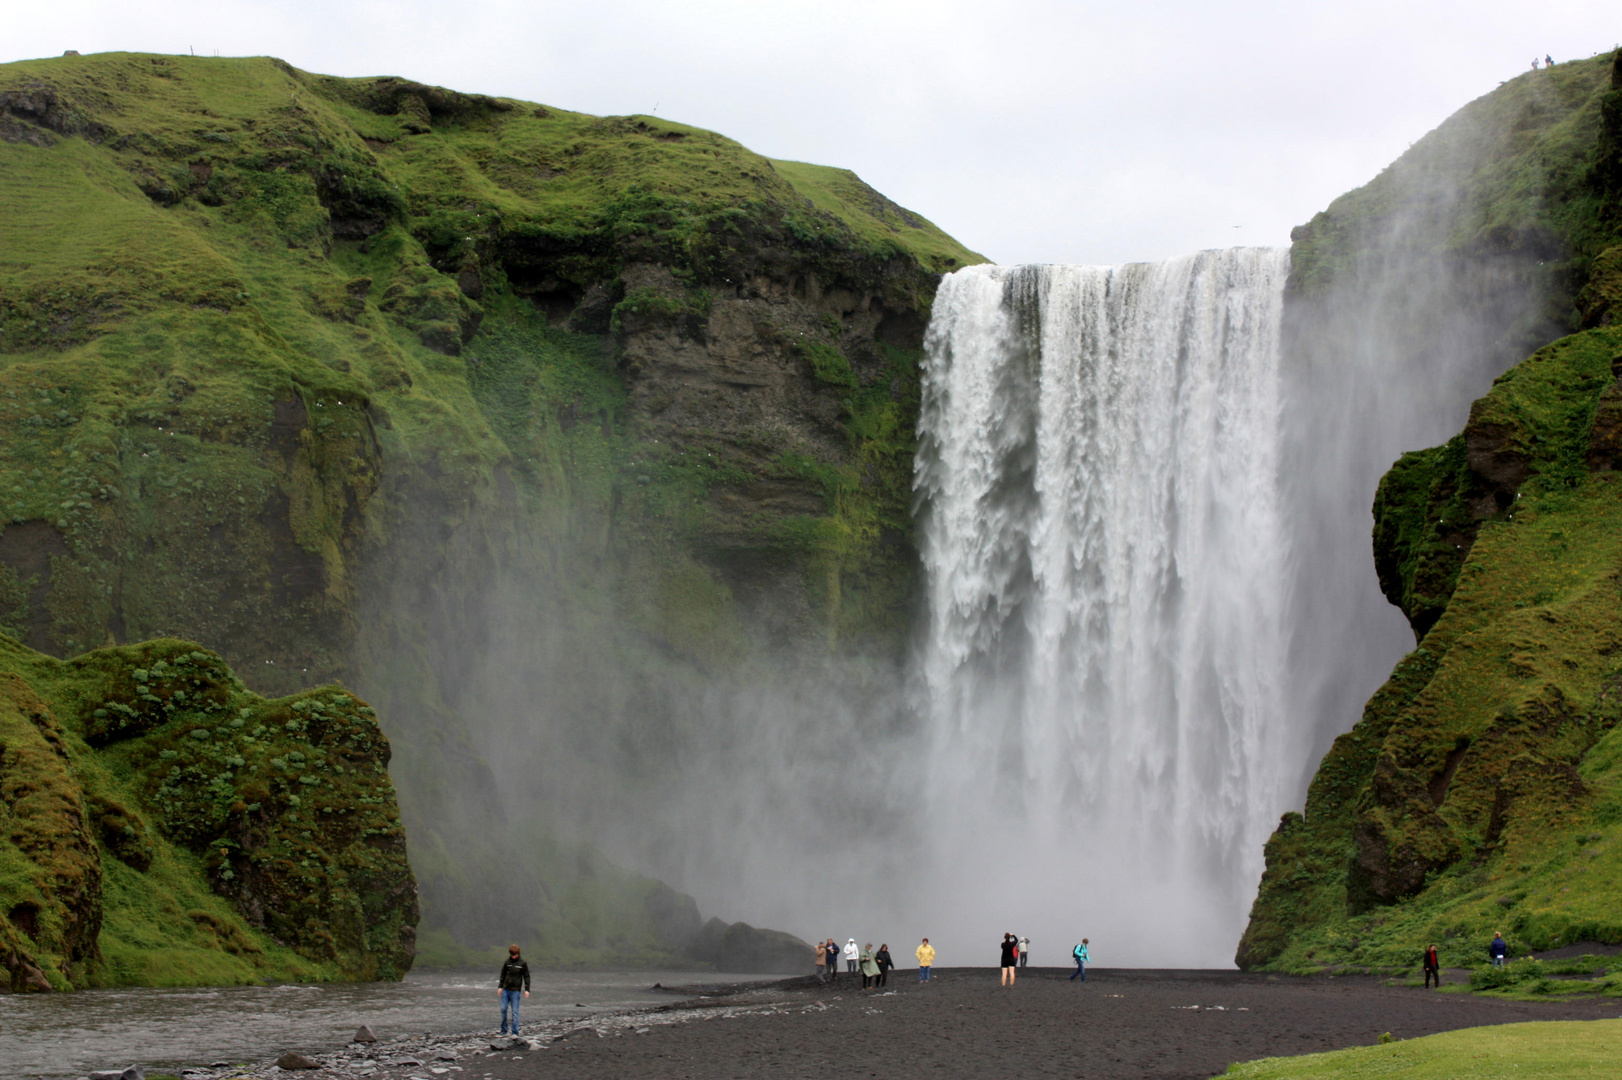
<point x="1478" y="790"/>
<point x="160" y="823"/>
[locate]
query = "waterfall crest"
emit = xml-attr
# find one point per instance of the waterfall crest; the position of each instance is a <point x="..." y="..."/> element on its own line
<point x="1105" y="561"/>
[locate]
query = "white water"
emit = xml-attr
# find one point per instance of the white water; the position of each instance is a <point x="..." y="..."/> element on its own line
<point x="1104" y="662"/>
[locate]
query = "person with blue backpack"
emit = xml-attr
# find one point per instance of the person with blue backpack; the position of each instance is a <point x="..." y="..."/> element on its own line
<point x="1080" y="953"/>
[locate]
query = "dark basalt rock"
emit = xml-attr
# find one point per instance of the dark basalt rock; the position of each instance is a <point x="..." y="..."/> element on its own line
<point x="746" y="950"/>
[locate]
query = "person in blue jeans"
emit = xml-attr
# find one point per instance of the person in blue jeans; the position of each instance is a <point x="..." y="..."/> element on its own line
<point x="926" y="959"/>
<point x="514" y="980"/>
<point x="1080" y="953"/>
<point x="1498" y="949"/>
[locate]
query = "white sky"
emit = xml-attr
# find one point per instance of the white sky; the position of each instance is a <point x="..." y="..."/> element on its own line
<point x="1032" y="130"/>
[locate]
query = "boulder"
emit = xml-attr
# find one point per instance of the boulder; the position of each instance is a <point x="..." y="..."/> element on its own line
<point x="292" y="1061"/>
<point x="747" y="950"/>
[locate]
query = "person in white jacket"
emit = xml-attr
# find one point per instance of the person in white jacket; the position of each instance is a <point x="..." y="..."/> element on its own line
<point x="852" y="955"/>
<point x="1024" y="951"/>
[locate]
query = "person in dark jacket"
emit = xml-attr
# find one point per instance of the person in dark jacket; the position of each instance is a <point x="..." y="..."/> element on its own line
<point x="885" y="964"/>
<point x="1433" y="968"/>
<point x="833" y="960"/>
<point x="1498" y="949"/>
<point x="514" y="980"/>
<point x="1010" y="959"/>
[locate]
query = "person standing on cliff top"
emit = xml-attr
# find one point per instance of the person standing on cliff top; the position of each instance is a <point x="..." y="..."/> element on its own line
<point x="820" y="958"/>
<point x="514" y="980"/>
<point x="853" y="956"/>
<point x="1024" y="951"/>
<point x="926" y="959"/>
<point x="885" y="963"/>
<point x="833" y="959"/>
<point x="1081" y="957"/>
<point x="1010" y="958"/>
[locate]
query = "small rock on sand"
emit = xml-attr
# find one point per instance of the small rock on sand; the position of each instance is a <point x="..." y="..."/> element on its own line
<point x="291" y="1061"/>
<point x="363" y="1034"/>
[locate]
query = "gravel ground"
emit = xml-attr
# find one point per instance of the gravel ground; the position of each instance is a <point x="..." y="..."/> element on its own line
<point x="1127" y="1024"/>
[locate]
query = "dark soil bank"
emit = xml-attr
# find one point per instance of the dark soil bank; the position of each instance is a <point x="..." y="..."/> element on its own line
<point x="1119" y="1024"/>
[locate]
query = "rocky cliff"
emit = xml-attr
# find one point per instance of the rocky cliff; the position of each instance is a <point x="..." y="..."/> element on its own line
<point x="533" y="426"/>
<point x="160" y="824"/>
<point x="1481" y="790"/>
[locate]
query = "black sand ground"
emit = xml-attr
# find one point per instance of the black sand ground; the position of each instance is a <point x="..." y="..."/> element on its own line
<point x="1166" y="1025"/>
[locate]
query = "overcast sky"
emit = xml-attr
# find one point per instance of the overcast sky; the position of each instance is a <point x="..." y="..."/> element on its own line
<point x="1032" y="130"/>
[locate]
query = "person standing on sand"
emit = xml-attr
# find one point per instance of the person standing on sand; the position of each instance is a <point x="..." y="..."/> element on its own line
<point x="926" y="959"/>
<point x="870" y="967"/>
<point x="514" y="978"/>
<point x="882" y="959"/>
<point x="1433" y="968"/>
<point x="833" y="960"/>
<point x="819" y="954"/>
<point x="1024" y="951"/>
<point x="1010" y="958"/>
<point x="1080" y="953"/>
<point x="1498" y="949"/>
<point x="852" y="956"/>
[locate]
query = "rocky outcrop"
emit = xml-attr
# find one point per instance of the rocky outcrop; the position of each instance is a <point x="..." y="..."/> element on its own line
<point x="118" y="761"/>
<point x="741" y="949"/>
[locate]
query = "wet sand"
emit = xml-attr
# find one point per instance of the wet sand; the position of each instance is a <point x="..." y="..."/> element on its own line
<point x="1168" y="1025"/>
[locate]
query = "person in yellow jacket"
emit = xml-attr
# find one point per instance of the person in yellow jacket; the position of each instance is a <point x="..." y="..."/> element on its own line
<point x="926" y="958"/>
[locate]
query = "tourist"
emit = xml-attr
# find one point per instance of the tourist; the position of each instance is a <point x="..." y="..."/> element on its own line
<point x="926" y="959"/>
<point x="1024" y="951"/>
<point x="885" y="963"/>
<point x="1548" y="60"/>
<point x="819" y="953"/>
<point x="833" y="960"/>
<point x="1080" y="954"/>
<point x="1498" y="949"/>
<point x="852" y="956"/>
<point x="1433" y="968"/>
<point x="870" y="968"/>
<point x="1010" y="958"/>
<point x="514" y="979"/>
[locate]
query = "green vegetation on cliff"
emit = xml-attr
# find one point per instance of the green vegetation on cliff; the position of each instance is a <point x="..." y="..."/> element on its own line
<point x="335" y="376"/>
<point x="1482" y="789"/>
<point x="162" y="825"/>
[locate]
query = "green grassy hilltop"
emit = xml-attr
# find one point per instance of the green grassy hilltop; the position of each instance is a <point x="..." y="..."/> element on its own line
<point x="363" y="381"/>
<point x="1482" y="789"/>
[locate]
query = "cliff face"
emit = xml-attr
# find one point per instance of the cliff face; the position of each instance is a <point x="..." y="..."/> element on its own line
<point x="162" y="825"/>
<point x="1480" y="791"/>
<point x="494" y="411"/>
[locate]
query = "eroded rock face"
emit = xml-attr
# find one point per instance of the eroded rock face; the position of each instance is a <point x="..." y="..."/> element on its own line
<point x="286" y="804"/>
<point x="56" y="909"/>
<point x="1399" y="838"/>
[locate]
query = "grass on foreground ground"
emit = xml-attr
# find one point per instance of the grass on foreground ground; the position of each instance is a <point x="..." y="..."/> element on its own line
<point x="1556" y="1048"/>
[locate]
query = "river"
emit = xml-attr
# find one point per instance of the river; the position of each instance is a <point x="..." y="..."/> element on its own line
<point x="67" y="1035"/>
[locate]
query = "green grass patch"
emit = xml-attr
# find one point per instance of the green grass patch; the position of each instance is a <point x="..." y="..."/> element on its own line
<point x="1558" y="1050"/>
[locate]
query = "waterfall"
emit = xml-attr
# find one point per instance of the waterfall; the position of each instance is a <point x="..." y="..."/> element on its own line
<point x="1103" y="665"/>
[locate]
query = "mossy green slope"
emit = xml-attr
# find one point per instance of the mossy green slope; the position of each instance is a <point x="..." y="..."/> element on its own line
<point x="1508" y="177"/>
<point x="163" y="825"/>
<point x="1480" y="791"/>
<point x="301" y="368"/>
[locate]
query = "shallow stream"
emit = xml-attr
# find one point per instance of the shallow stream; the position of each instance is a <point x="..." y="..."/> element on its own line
<point x="67" y="1035"/>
